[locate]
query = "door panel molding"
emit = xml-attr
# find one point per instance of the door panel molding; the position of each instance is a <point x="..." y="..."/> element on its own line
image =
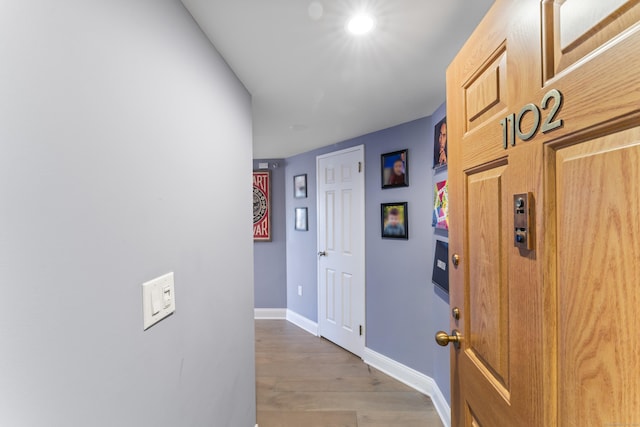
<point x="488" y="309"/>
<point x="597" y="306"/>
<point x="583" y="34"/>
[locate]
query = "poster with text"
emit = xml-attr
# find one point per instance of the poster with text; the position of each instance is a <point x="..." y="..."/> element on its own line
<point x="441" y="205"/>
<point x="262" y="205"/>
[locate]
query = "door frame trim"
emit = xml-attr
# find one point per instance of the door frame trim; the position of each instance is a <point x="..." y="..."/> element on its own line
<point x="361" y="149"/>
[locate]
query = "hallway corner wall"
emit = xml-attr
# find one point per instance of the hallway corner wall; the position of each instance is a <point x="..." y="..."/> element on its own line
<point x="126" y="146"/>
<point x="269" y="258"/>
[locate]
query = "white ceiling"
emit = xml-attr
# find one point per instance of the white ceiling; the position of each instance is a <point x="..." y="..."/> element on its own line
<point x="313" y="84"/>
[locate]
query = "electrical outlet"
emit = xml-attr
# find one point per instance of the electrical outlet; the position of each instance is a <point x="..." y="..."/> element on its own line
<point x="299" y="290"/>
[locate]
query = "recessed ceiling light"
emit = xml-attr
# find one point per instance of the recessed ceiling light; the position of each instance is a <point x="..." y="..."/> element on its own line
<point x="361" y="24"/>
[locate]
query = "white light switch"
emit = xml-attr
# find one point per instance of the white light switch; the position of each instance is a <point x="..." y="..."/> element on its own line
<point x="158" y="299"/>
<point x="155" y="303"/>
<point x="166" y="296"/>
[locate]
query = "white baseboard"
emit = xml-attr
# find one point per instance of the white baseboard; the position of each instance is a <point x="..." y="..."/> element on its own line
<point x="412" y="378"/>
<point x="302" y="322"/>
<point x="270" y="313"/>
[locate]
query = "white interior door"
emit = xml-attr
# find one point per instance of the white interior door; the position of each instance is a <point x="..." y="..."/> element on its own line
<point x="341" y="298"/>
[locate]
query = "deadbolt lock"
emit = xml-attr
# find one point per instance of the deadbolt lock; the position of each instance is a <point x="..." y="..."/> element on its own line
<point x="523" y="233"/>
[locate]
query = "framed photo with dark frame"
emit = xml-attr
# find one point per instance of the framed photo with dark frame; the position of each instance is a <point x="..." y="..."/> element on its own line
<point x="302" y="219"/>
<point x="300" y="186"/>
<point x="440" y="144"/>
<point x="394" y="169"/>
<point x="394" y="220"/>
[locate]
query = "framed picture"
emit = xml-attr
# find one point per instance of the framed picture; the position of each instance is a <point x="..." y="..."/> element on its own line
<point x="395" y="169"/>
<point x="440" y="144"/>
<point x="394" y="220"/>
<point x="262" y="205"/>
<point x="441" y="205"/>
<point x="300" y="186"/>
<point x="302" y="219"/>
<point x="440" y="276"/>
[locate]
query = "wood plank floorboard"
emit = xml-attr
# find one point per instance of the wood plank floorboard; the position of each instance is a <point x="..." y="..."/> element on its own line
<point x="306" y="381"/>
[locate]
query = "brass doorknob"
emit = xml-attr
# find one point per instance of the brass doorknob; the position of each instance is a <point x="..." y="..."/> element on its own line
<point x="443" y="338"/>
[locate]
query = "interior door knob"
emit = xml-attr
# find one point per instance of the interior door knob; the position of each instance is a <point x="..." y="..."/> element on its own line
<point x="322" y="253"/>
<point x="443" y="338"/>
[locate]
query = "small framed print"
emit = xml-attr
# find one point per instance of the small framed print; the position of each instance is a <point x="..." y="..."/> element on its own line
<point x="394" y="220"/>
<point x="440" y="144"/>
<point x="394" y="169"/>
<point x="300" y="186"/>
<point x="302" y="219"/>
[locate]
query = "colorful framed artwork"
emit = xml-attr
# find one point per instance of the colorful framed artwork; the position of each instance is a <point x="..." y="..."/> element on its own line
<point x="300" y="186"/>
<point x="395" y="169"/>
<point x="440" y="144"/>
<point x="262" y="205"/>
<point x="302" y="219"/>
<point x="441" y="205"/>
<point x="394" y="220"/>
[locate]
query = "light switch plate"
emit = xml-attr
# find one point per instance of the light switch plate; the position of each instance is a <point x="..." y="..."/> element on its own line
<point x="158" y="299"/>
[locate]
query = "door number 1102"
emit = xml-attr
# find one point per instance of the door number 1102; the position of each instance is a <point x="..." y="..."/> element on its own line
<point x="512" y="124"/>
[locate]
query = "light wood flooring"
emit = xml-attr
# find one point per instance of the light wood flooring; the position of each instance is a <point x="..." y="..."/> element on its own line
<point x="306" y="381"/>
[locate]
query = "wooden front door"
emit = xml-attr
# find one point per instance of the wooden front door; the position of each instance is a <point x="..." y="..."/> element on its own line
<point x="543" y="105"/>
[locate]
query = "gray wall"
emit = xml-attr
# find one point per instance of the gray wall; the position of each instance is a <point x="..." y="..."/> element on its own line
<point x="126" y="154"/>
<point x="270" y="258"/>
<point x="404" y="309"/>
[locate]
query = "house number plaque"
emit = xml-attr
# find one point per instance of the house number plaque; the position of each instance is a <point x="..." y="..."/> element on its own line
<point x="512" y="124"/>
